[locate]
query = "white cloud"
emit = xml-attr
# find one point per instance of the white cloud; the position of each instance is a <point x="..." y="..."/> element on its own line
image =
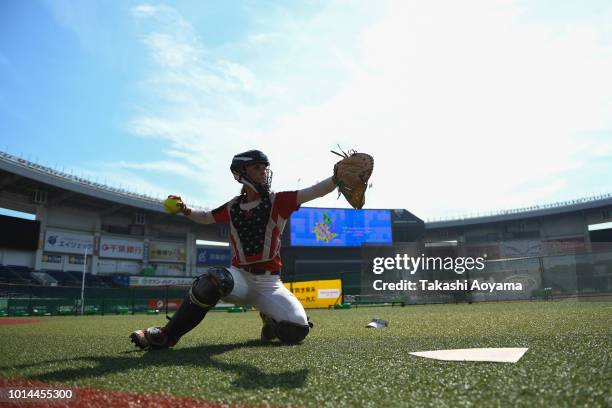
<point x="167" y="167"/>
<point x="146" y="10"/>
<point x="466" y="106"/>
<point x="87" y="21"/>
<point x="168" y="52"/>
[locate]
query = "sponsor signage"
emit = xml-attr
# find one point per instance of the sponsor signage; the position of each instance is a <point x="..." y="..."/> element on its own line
<point x="107" y="265"/>
<point x="131" y="267"/>
<point x="145" y="253"/>
<point x="159" y="281"/>
<point x="76" y="260"/>
<point x="68" y="242"/>
<point x="121" y="280"/>
<point x="52" y="258"/>
<point x="121" y="248"/>
<point x="318" y="293"/>
<point x="166" y="251"/>
<point x="328" y="293"/>
<point x="214" y="256"/>
<point x="167" y="269"/>
<point x="173" y="304"/>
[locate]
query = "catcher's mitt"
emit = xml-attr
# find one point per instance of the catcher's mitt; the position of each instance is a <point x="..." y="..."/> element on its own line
<point x="351" y="175"/>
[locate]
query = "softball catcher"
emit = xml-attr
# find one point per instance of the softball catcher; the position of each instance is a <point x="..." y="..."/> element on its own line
<point x="256" y="221"/>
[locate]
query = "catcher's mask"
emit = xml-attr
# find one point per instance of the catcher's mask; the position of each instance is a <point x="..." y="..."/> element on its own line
<point x="238" y="168"/>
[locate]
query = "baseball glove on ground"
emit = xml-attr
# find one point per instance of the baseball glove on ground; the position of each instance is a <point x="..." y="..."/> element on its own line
<point x="351" y="175"/>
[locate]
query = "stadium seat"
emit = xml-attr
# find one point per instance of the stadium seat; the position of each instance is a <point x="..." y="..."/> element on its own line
<point x="17" y="274"/>
<point x="63" y="278"/>
<point x="6" y="275"/>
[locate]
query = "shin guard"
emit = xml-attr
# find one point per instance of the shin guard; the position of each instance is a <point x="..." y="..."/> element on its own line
<point x="204" y="294"/>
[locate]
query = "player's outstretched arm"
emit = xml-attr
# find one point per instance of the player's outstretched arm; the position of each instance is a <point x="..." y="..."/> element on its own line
<point x="318" y="190"/>
<point x="202" y="217"/>
<point x="351" y="175"/>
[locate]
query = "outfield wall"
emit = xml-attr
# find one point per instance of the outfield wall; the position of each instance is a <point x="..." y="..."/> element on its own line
<point x="31" y="300"/>
<point x="541" y="277"/>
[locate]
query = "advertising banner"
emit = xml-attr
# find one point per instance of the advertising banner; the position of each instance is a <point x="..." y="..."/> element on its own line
<point x="159" y="304"/>
<point x="214" y="256"/>
<point x="121" y="248"/>
<point x="51" y="261"/>
<point x="159" y="281"/>
<point x="317" y="293"/>
<point x="131" y="267"/>
<point x="76" y="260"/>
<point x="168" y="269"/>
<point x="145" y="256"/>
<point x="76" y="263"/>
<point x="118" y="266"/>
<point x="166" y="251"/>
<point x="68" y="242"/>
<point x="107" y="265"/>
<point x="174" y="304"/>
<point x="52" y="258"/>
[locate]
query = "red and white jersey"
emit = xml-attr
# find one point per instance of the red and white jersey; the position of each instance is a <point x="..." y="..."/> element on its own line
<point x="255" y="232"/>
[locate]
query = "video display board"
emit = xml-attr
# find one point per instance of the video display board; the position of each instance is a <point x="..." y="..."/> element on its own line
<point x="336" y="227"/>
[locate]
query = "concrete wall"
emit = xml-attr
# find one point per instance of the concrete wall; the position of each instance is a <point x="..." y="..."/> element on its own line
<point x="568" y="225"/>
<point x="17" y="257"/>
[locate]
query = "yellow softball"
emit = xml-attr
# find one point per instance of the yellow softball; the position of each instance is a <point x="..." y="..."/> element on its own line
<point x="171" y="205"/>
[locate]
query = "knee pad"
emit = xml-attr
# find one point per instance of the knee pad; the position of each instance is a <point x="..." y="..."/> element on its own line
<point x="208" y="288"/>
<point x="291" y="333"/>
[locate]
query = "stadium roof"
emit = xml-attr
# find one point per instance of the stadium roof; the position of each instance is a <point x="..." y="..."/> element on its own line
<point x="580" y="204"/>
<point x="70" y="182"/>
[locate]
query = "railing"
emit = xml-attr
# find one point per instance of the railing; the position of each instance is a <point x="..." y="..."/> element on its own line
<point x="34" y="300"/>
<point x="494" y="213"/>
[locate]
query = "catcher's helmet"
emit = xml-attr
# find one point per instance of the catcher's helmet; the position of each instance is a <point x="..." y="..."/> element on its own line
<point x="238" y="168"/>
<point x="251" y="157"/>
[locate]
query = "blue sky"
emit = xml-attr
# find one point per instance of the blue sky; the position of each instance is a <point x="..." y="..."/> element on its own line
<point x="466" y="106"/>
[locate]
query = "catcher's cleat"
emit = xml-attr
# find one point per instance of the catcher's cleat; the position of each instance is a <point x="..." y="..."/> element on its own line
<point x="268" y="331"/>
<point x="151" y="338"/>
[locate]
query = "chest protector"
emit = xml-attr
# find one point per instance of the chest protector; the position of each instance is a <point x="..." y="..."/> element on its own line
<point x="251" y="225"/>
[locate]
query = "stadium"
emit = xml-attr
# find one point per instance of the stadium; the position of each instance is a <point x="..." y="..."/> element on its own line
<point x="90" y="257"/>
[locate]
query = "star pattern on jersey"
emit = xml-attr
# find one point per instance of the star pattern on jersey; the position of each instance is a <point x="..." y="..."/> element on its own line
<point x="251" y="225"/>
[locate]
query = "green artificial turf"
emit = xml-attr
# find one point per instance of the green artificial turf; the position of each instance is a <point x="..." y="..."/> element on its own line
<point x="341" y="363"/>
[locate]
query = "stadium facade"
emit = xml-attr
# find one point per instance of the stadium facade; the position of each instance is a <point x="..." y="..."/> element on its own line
<point x="107" y="231"/>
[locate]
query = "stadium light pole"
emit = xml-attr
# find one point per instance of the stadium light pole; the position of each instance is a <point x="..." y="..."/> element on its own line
<point x="83" y="283"/>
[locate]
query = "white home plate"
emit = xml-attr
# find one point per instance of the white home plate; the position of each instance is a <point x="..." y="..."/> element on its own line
<point x="497" y="355"/>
